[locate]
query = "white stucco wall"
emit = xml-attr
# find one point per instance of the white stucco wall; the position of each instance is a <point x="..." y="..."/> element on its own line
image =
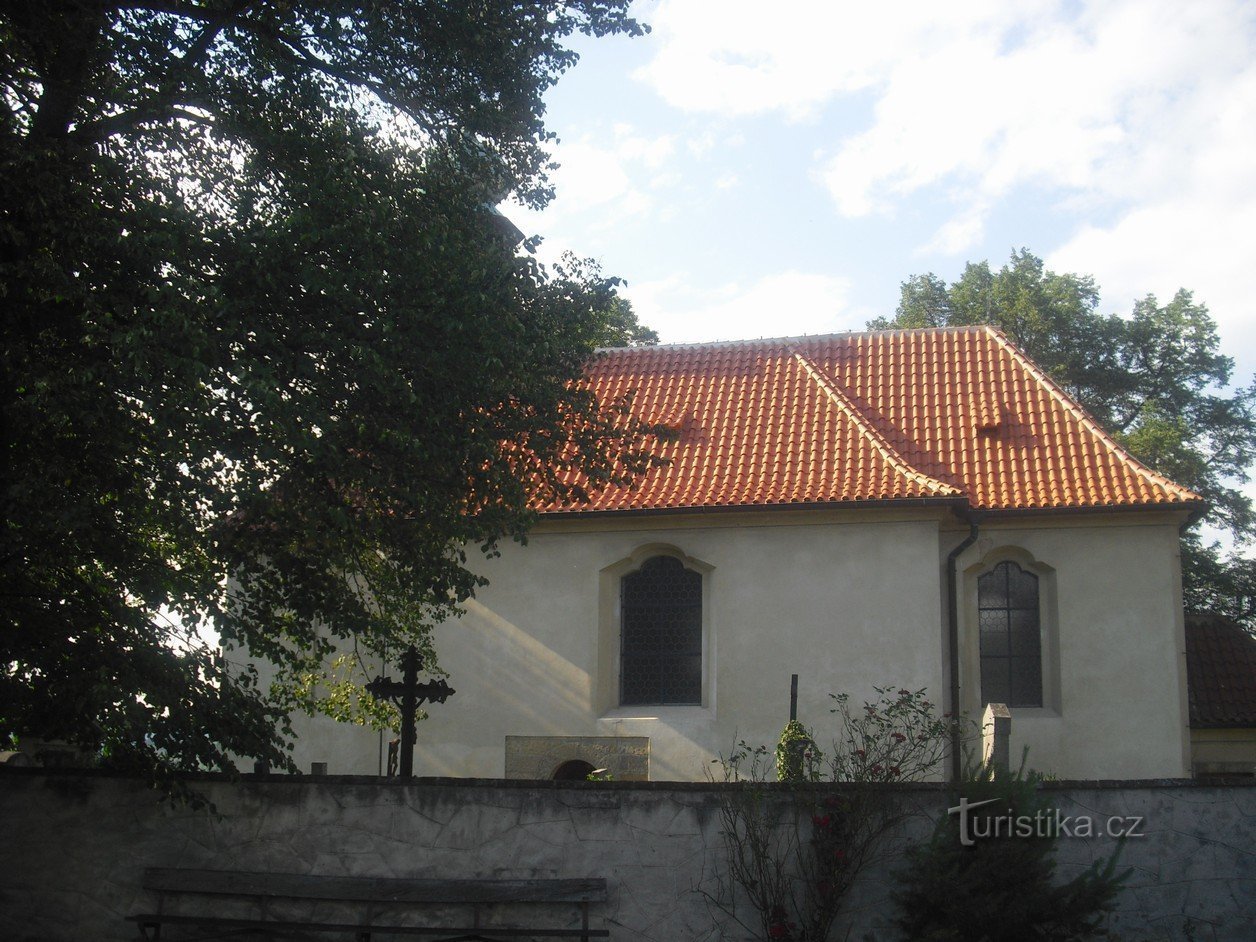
<point x="1116" y="706"/>
<point x="845" y="600"/>
<point x="843" y="605"/>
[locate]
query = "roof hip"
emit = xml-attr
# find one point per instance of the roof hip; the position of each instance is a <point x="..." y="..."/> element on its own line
<point x="875" y="438"/>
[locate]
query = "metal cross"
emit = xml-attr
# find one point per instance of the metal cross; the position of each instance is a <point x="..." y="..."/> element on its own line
<point x="411" y="694"/>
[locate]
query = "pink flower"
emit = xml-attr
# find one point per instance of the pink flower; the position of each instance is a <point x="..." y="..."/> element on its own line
<point x="898" y="737"/>
<point x="777" y="930"/>
<point x="820" y="821"/>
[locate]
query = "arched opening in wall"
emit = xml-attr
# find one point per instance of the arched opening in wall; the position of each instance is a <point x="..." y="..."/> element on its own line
<point x="1012" y="644"/>
<point x="655" y="635"/>
<point x="576" y="770"/>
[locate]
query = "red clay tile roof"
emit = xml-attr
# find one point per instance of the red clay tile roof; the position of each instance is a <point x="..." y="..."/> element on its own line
<point x="948" y="414"/>
<point x="1220" y="672"/>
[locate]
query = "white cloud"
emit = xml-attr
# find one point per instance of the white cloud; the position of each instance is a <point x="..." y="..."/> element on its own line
<point x="737" y="57"/>
<point x="701" y="145"/>
<point x="1191" y="223"/>
<point x="961" y="233"/>
<point x="1108" y="104"/>
<point x="788" y="303"/>
<point x="1137" y="118"/>
<point x="604" y="180"/>
<point x="1184" y="242"/>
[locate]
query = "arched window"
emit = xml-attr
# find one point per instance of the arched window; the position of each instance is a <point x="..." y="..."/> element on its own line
<point x="661" y="634"/>
<point x="1011" y="643"/>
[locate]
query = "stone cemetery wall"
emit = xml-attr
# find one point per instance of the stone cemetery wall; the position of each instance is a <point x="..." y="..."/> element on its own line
<point x="76" y="844"/>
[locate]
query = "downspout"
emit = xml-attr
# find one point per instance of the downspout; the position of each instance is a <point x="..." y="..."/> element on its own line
<point x="952" y="638"/>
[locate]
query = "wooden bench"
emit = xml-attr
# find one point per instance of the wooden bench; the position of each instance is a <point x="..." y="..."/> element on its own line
<point x="201" y="901"/>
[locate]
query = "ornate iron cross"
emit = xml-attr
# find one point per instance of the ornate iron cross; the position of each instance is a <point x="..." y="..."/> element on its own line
<point x="408" y="694"/>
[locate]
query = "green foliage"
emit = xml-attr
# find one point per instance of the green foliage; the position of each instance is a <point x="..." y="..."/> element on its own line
<point x="337" y="692"/>
<point x="268" y="363"/>
<point x="793" y="851"/>
<point x="1156" y="380"/>
<point x="1001" y="888"/>
<point x="797" y="757"/>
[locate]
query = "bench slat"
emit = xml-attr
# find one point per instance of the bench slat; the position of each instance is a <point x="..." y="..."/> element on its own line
<point x="373" y="889"/>
<point x="230" y="923"/>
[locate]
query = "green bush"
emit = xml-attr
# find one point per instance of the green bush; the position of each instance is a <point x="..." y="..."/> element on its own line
<point x="797" y="758"/>
<point x="997" y="884"/>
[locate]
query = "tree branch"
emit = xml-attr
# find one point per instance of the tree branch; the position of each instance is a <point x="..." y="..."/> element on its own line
<point x="63" y="83"/>
<point x="297" y="54"/>
<point x="163" y="105"/>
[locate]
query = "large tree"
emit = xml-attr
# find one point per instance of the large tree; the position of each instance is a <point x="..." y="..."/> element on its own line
<point x="269" y="362"/>
<point x="1156" y="379"/>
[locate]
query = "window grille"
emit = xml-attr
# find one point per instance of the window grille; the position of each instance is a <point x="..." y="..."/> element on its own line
<point x="661" y="634"/>
<point x="1011" y="646"/>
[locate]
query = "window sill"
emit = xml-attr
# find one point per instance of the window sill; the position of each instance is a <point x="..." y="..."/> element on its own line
<point x="1035" y="713"/>
<point x="646" y="711"/>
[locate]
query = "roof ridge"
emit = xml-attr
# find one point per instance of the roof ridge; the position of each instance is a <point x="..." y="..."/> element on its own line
<point x="770" y="341"/>
<point x="879" y="441"/>
<point x="1075" y="409"/>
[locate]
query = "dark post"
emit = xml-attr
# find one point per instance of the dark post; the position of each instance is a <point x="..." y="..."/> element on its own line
<point x="793" y="697"/>
<point x="410" y="681"/>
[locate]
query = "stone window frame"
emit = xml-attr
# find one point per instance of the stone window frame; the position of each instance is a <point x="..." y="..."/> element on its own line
<point x="1048" y="631"/>
<point x="606" y="692"/>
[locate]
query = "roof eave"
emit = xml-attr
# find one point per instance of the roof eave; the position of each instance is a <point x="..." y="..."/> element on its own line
<point x="949" y="502"/>
<point x="1192" y="508"/>
<point x="959" y="503"/>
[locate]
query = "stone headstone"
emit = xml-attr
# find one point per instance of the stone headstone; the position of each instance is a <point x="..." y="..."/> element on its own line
<point x="996" y="734"/>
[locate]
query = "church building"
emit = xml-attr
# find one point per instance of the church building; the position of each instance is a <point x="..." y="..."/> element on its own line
<point x="918" y="509"/>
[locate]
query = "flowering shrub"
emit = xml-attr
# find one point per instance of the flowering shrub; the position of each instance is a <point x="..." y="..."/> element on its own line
<point x="794" y="850"/>
<point x="897" y="738"/>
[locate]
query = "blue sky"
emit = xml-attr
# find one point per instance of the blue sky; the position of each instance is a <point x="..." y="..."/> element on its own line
<point x="773" y="169"/>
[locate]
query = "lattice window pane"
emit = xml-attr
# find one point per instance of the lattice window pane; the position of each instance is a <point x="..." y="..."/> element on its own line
<point x="1010" y="636"/>
<point x="994" y="680"/>
<point x="1026" y="682"/>
<point x="1025" y="641"/>
<point x="661" y="634"/>
<point x="994" y="633"/>
<point x="992" y="588"/>
<point x="1022" y="588"/>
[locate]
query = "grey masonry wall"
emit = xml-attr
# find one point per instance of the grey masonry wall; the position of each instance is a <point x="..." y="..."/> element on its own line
<point x="75" y="846"/>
